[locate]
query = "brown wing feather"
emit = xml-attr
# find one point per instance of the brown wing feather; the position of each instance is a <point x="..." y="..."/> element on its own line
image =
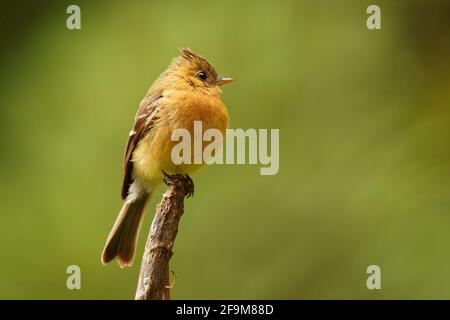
<point x="143" y="123"/>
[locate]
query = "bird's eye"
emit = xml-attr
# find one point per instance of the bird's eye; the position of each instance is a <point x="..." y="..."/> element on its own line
<point x="202" y="75"/>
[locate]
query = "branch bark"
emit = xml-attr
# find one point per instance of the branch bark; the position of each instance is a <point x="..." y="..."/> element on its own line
<point x="153" y="281"/>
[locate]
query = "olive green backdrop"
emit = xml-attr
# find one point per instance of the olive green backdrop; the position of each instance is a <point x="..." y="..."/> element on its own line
<point x="364" y="119"/>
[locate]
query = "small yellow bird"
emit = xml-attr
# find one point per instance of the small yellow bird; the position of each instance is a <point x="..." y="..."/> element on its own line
<point x="188" y="91"/>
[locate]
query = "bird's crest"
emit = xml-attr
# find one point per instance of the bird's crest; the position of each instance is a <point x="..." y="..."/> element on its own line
<point x="197" y="60"/>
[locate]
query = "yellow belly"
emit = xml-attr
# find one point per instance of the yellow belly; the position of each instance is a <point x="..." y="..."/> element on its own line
<point x="153" y="154"/>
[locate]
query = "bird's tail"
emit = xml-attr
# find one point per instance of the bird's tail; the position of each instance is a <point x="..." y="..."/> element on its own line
<point x="122" y="239"/>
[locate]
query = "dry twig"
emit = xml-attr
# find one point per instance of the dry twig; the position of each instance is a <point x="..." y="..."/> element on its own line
<point x="154" y="275"/>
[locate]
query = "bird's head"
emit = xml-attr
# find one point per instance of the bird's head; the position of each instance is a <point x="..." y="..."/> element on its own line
<point x="196" y="71"/>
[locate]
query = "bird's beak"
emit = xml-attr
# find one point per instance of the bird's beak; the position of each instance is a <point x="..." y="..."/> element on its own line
<point x="222" y="80"/>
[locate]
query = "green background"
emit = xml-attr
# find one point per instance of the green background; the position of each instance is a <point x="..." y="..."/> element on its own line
<point x="364" y="119"/>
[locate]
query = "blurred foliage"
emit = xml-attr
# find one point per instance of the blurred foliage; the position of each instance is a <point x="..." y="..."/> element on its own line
<point x="364" y="120"/>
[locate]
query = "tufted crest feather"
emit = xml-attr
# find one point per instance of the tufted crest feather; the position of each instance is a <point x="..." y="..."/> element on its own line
<point x="196" y="60"/>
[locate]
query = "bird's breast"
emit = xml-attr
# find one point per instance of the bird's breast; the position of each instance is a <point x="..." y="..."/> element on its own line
<point x="178" y="111"/>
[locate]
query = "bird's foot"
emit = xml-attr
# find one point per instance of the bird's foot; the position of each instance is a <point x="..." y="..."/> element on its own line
<point x="185" y="179"/>
<point x="167" y="178"/>
<point x="189" y="186"/>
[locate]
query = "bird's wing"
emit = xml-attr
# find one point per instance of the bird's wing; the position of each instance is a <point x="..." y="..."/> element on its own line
<point x="145" y="119"/>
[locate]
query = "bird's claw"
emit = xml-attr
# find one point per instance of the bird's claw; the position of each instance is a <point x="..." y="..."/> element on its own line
<point x="188" y="182"/>
<point x="189" y="186"/>
<point x="166" y="178"/>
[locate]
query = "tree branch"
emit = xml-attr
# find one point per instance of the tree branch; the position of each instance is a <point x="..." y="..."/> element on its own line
<point x="154" y="275"/>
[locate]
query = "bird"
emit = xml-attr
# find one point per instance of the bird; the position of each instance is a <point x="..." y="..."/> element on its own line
<point x="188" y="90"/>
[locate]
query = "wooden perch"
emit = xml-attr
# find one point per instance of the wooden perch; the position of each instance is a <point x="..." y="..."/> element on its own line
<point x="154" y="275"/>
